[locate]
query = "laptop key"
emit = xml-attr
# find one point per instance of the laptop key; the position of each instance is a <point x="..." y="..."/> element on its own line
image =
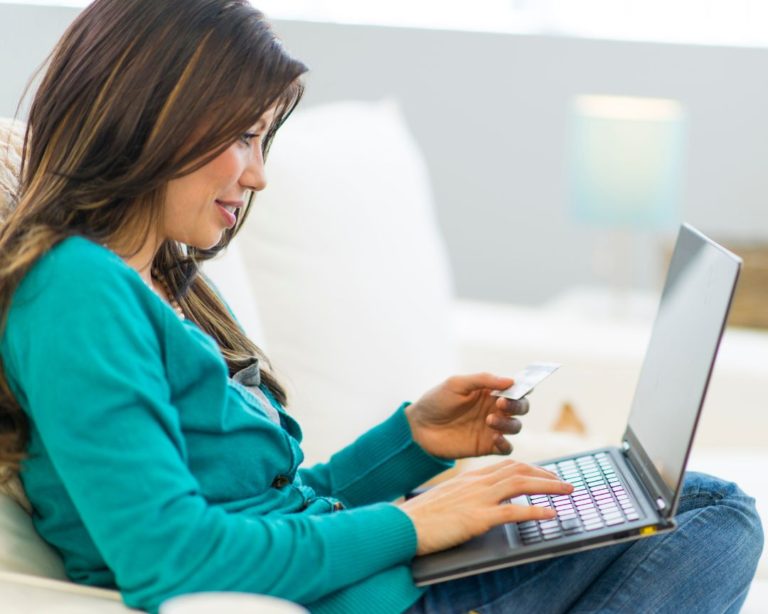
<point x="593" y="527"/>
<point x="590" y="514"/>
<point x="607" y="505"/>
<point x="532" y="539"/>
<point x="571" y="523"/>
<point x="610" y="512"/>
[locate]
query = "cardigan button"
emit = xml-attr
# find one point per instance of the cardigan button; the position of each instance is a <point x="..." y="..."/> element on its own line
<point x="281" y="481"/>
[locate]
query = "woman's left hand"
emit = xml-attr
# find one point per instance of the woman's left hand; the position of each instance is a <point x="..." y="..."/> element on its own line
<point x="460" y="418"/>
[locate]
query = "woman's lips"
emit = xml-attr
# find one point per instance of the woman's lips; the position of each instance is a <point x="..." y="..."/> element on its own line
<point x="227" y="209"/>
<point x="230" y="203"/>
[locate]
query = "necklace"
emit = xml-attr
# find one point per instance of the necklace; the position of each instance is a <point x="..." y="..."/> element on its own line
<point x="157" y="276"/>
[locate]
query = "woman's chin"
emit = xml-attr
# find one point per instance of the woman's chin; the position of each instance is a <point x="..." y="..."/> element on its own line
<point x="205" y="242"/>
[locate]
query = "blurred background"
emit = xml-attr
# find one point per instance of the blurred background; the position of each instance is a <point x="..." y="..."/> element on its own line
<point x="494" y="91"/>
<point x="477" y="185"/>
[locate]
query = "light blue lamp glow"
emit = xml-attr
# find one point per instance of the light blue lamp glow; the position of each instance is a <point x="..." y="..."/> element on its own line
<point x="626" y="161"/>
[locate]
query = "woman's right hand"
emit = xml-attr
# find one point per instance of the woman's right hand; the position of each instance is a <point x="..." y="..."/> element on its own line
<point x="471" y="503"/>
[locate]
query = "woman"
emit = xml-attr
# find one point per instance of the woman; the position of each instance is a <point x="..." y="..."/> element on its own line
<point x="150" y="432"/>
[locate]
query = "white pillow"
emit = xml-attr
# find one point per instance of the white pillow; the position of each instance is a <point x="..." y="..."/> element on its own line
<point x="349" y="269"/>
<point x="22" y="550"/>
<point x="228" y="273"/>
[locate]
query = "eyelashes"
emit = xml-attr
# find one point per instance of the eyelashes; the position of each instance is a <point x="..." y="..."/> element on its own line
<point x="247" y="137"/>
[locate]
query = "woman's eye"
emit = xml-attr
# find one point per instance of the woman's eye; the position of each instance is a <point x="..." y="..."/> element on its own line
<point x="248" y="137"/>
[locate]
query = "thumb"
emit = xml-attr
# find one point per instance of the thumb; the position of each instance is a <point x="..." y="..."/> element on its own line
<point x="479" y="381"/>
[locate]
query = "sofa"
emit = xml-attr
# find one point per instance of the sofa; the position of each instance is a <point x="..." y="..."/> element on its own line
<point x="342" y="276"/>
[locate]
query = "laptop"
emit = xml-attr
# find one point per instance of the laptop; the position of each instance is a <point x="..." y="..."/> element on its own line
<point x="631" y="491"/>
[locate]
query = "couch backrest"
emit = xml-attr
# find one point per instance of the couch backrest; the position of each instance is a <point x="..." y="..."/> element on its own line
<point x="350" y="269"/>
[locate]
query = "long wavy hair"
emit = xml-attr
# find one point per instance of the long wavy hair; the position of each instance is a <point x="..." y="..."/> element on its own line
<point x="137" y="93"/>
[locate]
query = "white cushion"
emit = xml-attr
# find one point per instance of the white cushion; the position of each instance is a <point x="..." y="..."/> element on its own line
<point x="349" y="269"/>
<point x="229" y="275"/>
<point x="21" y="548"/>
<point x="23" y="594"/>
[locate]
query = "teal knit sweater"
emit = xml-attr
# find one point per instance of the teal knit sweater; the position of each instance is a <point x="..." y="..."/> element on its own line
<point x="152" y="471"/>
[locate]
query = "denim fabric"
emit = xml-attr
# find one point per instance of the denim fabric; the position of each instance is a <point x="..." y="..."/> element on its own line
<point x="249" y="378"/>
<point x="705" y="565"/>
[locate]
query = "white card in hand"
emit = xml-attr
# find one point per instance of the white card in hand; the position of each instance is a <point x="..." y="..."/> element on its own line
<point x="526" y="379"/>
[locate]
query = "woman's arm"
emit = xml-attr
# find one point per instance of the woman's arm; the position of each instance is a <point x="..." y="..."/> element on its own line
<point x="381" y="465"/>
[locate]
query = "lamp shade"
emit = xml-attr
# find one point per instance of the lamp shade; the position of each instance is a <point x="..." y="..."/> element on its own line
<point x="626" y="160"/>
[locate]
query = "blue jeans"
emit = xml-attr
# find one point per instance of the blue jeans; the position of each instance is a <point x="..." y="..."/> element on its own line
<point x="705" y="565"/>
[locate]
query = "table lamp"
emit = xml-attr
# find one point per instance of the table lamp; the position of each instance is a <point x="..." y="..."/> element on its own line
<point x="626" y="158"/>
<point x="626" y="161"/>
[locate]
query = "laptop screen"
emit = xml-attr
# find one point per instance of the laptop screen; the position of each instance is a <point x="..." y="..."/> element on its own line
<point x="686" y="334"/>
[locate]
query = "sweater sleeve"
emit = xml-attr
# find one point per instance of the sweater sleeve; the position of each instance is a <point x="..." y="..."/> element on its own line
<point x="381" y="465"/>
<point x="86" y="349"/>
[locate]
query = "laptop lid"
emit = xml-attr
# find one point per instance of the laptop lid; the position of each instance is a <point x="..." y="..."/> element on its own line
<point x="678" y="363"/>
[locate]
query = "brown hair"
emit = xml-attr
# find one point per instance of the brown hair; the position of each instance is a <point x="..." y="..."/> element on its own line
<point x="137" y="93"/>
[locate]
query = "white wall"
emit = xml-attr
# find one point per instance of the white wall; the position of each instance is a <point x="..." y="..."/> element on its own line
<point x="490" y="112"/>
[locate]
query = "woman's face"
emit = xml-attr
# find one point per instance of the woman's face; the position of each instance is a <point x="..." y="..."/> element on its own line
<point x="201" y="206"/>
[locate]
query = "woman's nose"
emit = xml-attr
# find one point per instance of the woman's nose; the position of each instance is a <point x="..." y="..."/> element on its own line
<point x="253" y="177"/>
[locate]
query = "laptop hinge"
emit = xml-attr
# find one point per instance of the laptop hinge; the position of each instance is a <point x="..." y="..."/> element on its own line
<point x="642" y="474"/>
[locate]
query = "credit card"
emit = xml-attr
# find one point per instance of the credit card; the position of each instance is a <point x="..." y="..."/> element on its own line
<point x="526" y="379"/>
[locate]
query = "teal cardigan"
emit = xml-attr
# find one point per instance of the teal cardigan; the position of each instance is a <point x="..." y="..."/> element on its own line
<point x="152" y="471"/>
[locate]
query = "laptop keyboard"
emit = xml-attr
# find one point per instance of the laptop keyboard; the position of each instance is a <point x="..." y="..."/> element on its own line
<point x="598" y="500"/>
